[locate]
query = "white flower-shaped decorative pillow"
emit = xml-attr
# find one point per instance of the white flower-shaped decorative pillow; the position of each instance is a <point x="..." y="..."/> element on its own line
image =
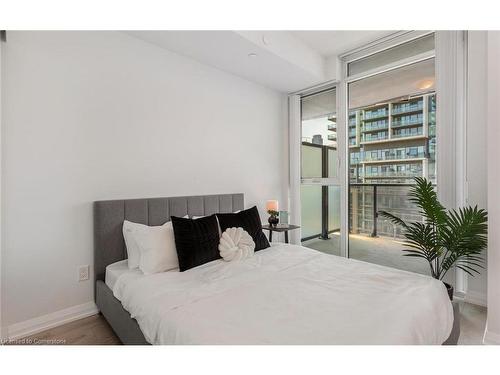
<point x="236" y="244"/>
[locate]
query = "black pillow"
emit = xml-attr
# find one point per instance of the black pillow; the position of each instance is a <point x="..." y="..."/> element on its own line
<point x="249" y="220"/>
<point x="196" y="241"/>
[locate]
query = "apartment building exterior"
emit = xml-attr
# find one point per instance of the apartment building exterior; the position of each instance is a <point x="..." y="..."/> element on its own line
<point x="390" y="143"/>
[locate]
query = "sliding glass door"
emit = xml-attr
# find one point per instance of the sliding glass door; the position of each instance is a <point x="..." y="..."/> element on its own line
<point x="320" y="182"/>
<point x="362" y="143"/>
<point x="392" y="139"/>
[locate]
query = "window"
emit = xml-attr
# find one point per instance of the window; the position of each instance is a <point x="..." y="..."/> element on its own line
<point x="320" y="190"/>
<point x="391" y="55"/>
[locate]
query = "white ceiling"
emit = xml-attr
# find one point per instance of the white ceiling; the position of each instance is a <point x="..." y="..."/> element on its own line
<point x="228" y="51"/>
<point x="334" y="42"/>
<point x="285" y="61"/>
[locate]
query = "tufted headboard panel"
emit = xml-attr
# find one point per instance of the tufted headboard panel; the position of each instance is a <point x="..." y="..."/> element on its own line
<point x="109" y="245"/>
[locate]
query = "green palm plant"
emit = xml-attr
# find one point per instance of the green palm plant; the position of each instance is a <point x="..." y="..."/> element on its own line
<point x="445" y="238"/>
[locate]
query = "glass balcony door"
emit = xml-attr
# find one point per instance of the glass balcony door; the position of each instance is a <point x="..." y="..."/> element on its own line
<point x="320" y="182"/>
<point x="392" y="117"/>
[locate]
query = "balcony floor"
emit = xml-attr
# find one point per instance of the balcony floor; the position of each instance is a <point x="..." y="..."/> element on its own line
<point x="380" y="250"/>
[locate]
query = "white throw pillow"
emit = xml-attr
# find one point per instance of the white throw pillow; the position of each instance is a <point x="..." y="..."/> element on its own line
<point x="157" y="249"/>
<point x="129" y="229"/>
<point x="130" y="233"/>
<point x="236" y="244"/>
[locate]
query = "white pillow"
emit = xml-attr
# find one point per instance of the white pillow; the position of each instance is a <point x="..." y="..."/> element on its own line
<point x="133" y="254"/>
<point x="236" y="244"/>
<point x="157" y="249"/>
<point x="130" y="232"/>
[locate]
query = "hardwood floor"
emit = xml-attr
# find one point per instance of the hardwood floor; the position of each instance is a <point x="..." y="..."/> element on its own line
<point x="94" y="330"/>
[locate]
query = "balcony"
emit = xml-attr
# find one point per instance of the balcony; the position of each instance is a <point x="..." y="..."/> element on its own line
<point x="408" y="132"/>
<point x="368" y="137"/>
<point x="332" y="127"/>
<point x="406" y="108"/>
<point x="376" y="114"/>
<point x="372" y="238"/>
<point x="374" y="126"/>
<point x="407" y="121"/>
<point x="383" y="156"/>
<point x="388" y="174"/>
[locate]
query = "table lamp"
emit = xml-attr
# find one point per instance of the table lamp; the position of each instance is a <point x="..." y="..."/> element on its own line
<point x="272" y="210"/>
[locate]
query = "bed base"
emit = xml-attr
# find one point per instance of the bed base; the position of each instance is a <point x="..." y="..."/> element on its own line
<point x="125" y="327"/>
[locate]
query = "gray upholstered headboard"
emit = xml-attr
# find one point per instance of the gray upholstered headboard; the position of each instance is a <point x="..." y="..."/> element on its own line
<point x="109" y="246"/>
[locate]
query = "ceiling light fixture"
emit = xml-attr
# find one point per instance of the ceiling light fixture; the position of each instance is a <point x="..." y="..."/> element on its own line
<point x="425" y="84"/>
<point x="252" y="55"/>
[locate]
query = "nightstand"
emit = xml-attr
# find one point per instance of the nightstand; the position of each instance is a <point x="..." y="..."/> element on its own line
<point x="279" y="228"/>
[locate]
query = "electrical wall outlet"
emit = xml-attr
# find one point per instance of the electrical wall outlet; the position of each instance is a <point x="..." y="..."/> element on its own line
<point x="83" y="273"/>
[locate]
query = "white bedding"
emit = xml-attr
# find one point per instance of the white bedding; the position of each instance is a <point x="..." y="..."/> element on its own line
<point x="115" y="270"/>
<point x="288" y="294"/>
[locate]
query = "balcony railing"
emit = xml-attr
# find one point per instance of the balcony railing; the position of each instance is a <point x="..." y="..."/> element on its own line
<point x="369" y="115"/>
<point x="406" y="108"/>
<point x="377" y="125"/>
<point x="409" y="174"/>
<point x="374" y="137"/>
<point x="366" y="200"/>
<point x="403" y="133"/>
<point x="394" y="156"/>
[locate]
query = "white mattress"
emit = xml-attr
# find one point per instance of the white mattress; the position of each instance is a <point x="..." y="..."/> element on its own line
<point x="115" y="270"/>
<point x="288" y="294"/>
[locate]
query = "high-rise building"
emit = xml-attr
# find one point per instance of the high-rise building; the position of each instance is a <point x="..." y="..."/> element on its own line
<point x="393" y="142"/>
<point x="390" y="144"/>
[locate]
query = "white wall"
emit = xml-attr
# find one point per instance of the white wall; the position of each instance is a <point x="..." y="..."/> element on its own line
<point x="492" y="334"/>
<point x="102" y="115"/>
<point x="476" y="144"/>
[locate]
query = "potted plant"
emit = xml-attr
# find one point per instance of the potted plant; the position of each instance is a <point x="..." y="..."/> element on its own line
<point x="273" y="218"/>
<point x="445" y="238"/>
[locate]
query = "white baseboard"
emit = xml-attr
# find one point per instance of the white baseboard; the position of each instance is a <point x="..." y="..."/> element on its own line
<point x="476" y="298"/>
<point x="491" y="338"/>
<point x="44" y="322"/>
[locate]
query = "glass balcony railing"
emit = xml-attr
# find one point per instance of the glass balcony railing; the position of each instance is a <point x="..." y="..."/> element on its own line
<point x="393" y="156"/>
<point x="372" y="137"/>
<point x="407" y="107"/>
<point x="408" y="120"/>
<point x="375" y="125"/>
<point x="395" y="173"/>
<point x="408" y="132"/>
<point x="371" y="114"/>
<point x="366" y="200"/>
<point x="413" y="152"/>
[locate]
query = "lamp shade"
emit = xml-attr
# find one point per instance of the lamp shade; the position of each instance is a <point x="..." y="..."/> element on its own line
<point x="272" y="205"/>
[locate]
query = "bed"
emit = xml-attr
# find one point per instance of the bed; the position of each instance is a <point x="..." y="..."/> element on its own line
<point x="285" y="294"/>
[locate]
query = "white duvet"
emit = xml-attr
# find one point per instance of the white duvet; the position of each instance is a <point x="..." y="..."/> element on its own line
<point x="288" y="294"/>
